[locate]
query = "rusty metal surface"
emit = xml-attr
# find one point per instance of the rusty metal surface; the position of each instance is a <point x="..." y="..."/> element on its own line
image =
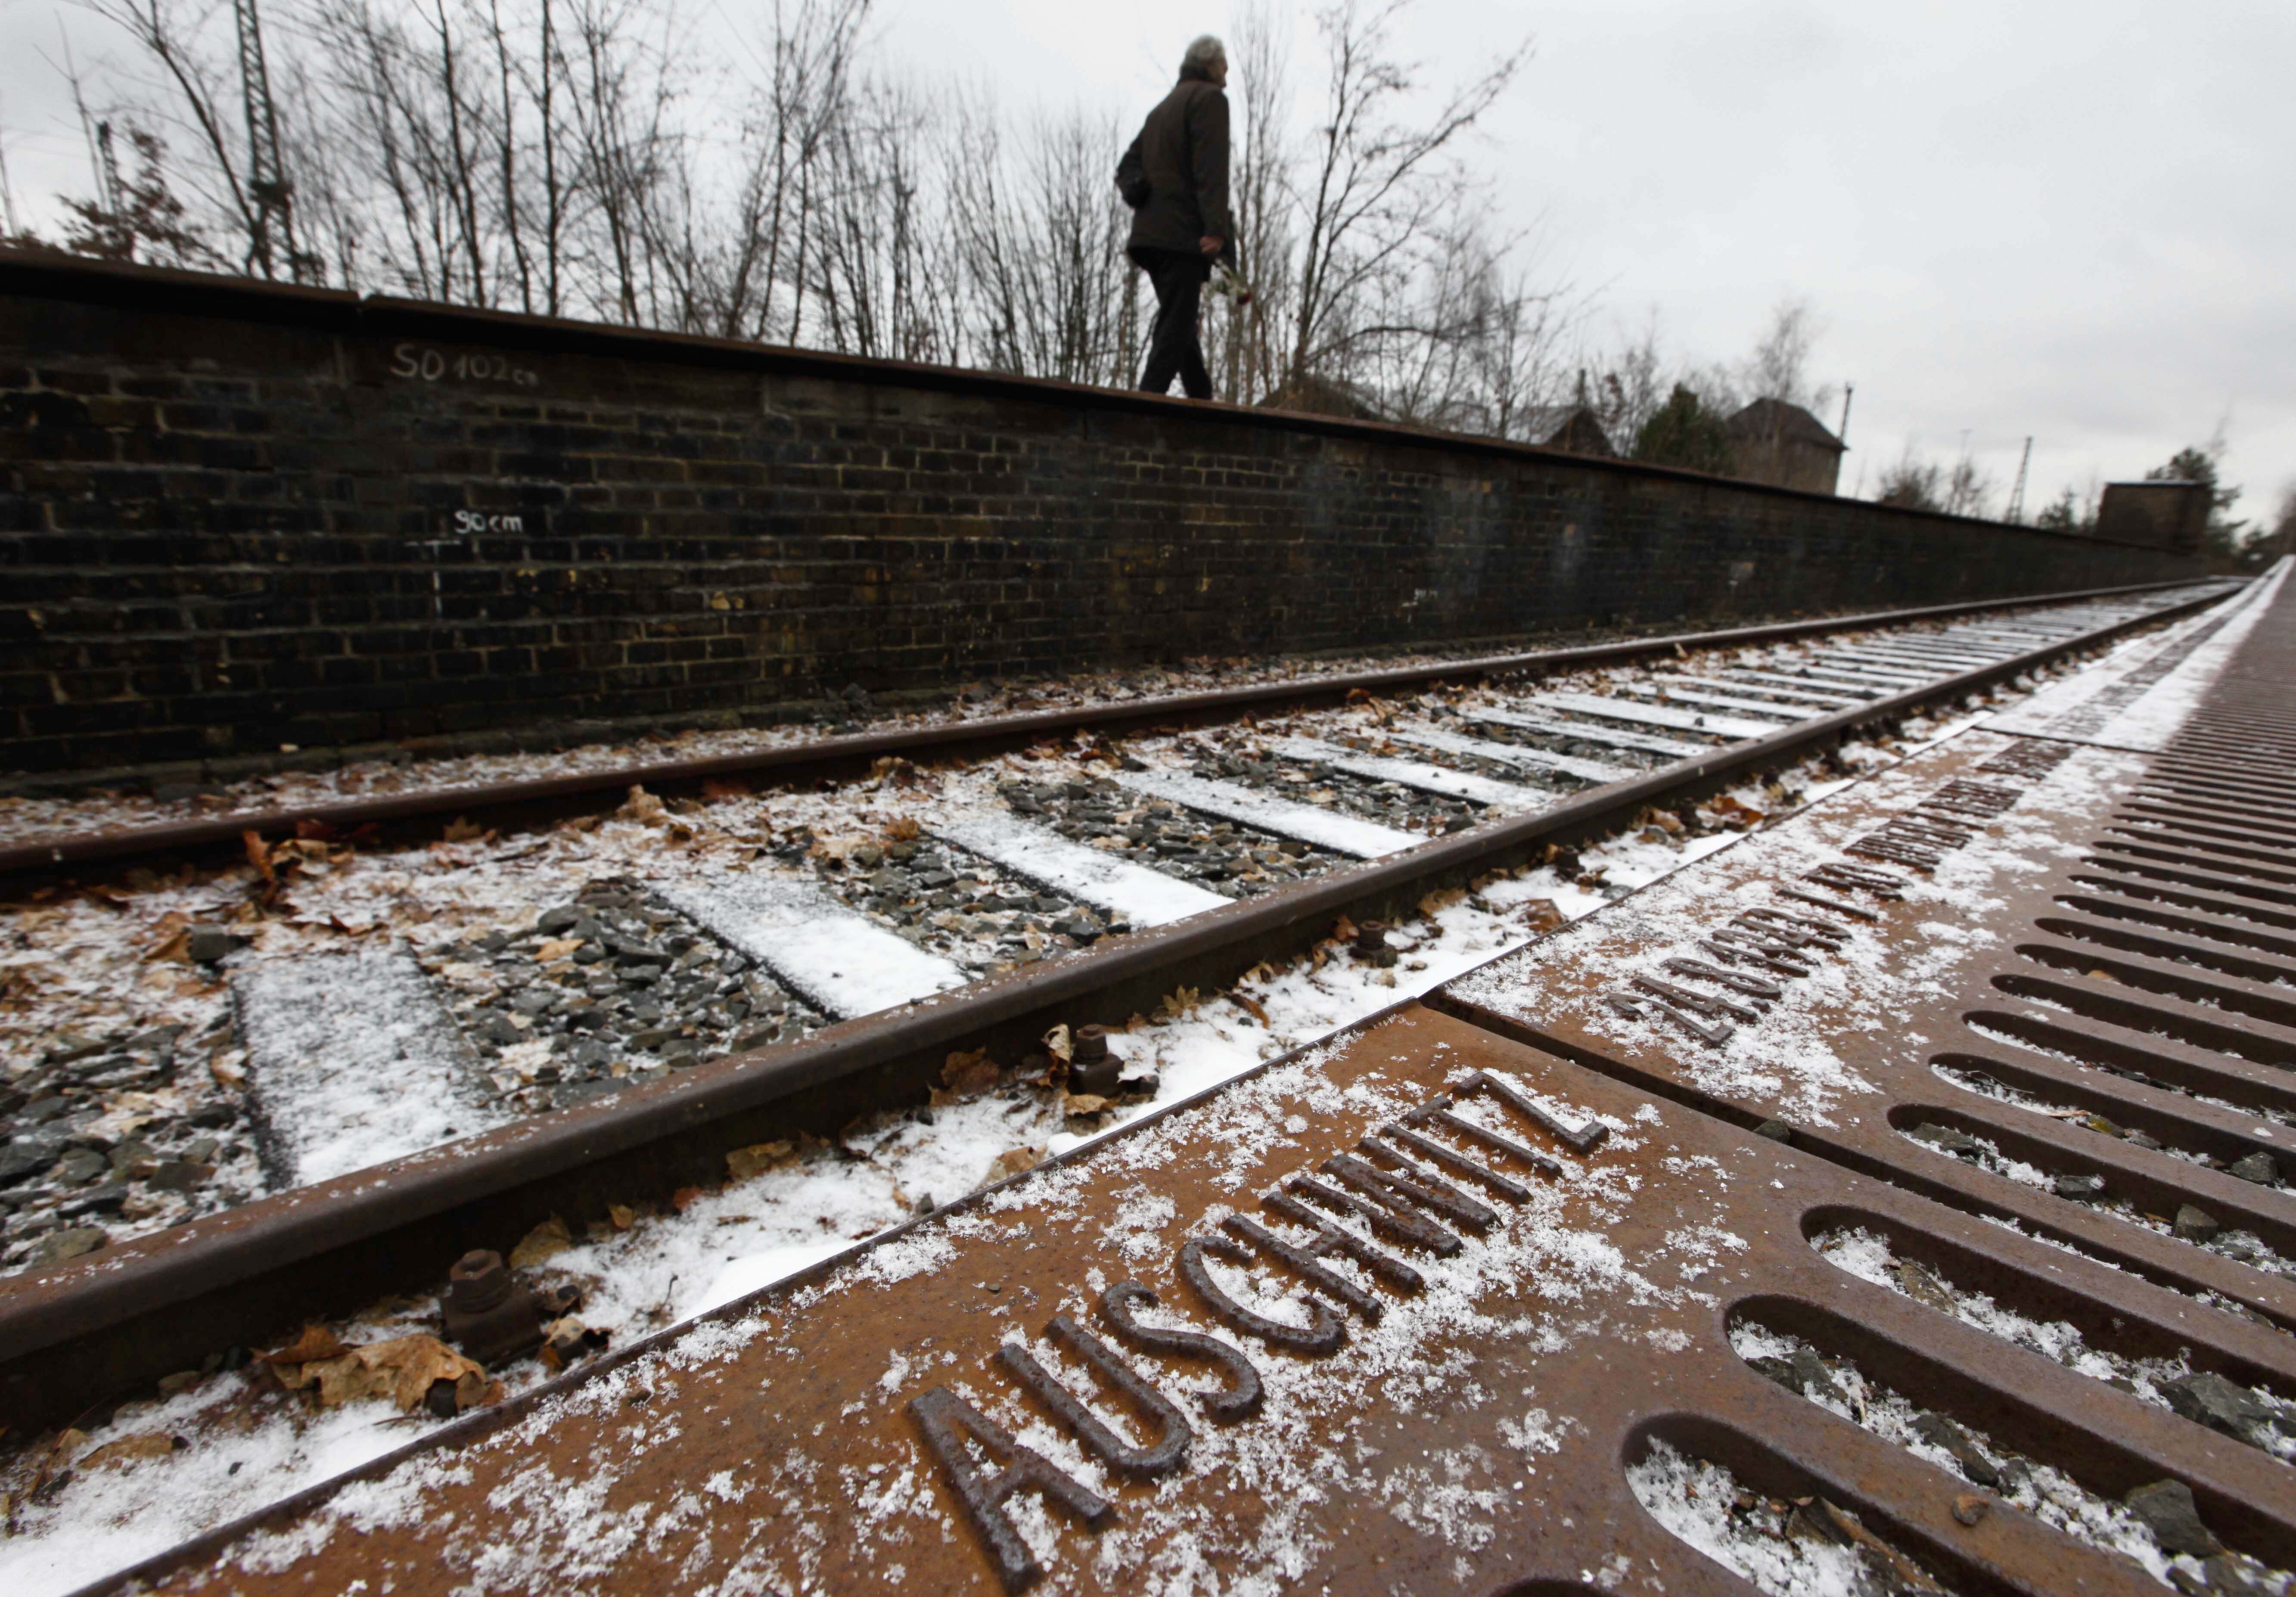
<point x="2082" y="957"/>
<point x="75" y="1333"/>
<point x="824" y="756"/>
<point x="1470" y="1432"/>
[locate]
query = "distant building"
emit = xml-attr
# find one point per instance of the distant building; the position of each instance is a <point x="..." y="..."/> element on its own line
<point x="2160" y="515"/>
<point x="1783" y="444"/>
<point x="1318" y="396"/>
<point x="1572" y="427"/>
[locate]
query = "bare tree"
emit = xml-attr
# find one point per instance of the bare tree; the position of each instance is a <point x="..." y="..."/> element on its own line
<point x="1372" y="186"/>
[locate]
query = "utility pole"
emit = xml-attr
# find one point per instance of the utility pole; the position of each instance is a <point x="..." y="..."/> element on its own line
<point x="267" y="176"/>
<point x="1848" y="392"/>
<point x="2016" y="516"/>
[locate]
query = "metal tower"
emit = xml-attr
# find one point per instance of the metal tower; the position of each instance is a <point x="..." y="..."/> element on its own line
<point x="2016" y="515"/>
<point x="267" y="191"/>
<point x="108" y="192"/>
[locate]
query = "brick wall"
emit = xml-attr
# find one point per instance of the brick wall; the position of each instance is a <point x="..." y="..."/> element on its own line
<point x="234" y="518"/>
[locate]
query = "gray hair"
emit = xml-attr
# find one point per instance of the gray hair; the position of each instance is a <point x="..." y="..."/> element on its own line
<point x="1201" y="54"/>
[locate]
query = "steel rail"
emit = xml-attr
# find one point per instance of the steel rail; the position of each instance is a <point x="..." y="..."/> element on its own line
<point x="823" y="757"/>
<point x="83" y="1332"/>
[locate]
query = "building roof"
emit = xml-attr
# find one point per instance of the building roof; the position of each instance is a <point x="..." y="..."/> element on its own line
<point x="1549" y="425"/>
<point x="1775" y="418"/>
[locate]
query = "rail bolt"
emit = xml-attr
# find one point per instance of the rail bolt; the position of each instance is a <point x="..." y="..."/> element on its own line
<point x="491" y="1315"/>
<point x="1091" y="1067"/>
<point x="1371" y="945"/>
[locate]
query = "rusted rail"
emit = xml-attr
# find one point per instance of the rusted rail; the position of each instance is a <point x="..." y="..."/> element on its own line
<point x="554" y="796"/>
<point x="81" y="1332"/>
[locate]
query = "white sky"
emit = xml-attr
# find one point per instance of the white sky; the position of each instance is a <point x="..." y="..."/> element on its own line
<point x="2050" y="216"/>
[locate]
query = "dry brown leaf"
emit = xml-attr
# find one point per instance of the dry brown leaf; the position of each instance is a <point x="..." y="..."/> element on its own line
<point x="1082" y="1103"/>
<point x="1253" y="1007"/>
<point x="743" y="1164"/>
<point x="685" y="1199"/>
<point x="317" y="1342"/>
<point x="715" y="788"/>
<point x="257" y="855"/>
<point x="1542" y="915"/>
<point x="903" y="831"/>
<point x="643" y="806"/>
<point x="545" y="1240"/>
<point x="969" y="1075"/>
<point x="1013" y="1160"/>
<point x="1343" y="930"/>
<point x="128" y="1450"/>
<point x="1440" y="899"/>
<point x="1057" y="1043"/>
<point x="463" y="830"/>
<point x="403" y="1369"/>
<point x="1178" y="1001"/>
<point x="557" y="948"/>
<point x="622" y="1215"/>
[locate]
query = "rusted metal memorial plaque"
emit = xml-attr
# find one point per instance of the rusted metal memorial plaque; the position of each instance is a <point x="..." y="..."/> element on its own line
<point x="1893" y="1201"/>
<point x="1363" y="1323"/>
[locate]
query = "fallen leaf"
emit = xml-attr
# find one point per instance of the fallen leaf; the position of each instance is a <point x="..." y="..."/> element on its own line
<point x="128" y="1450"/>
<point x="1082" y="1103"/>
<point x="461" y="829"/>
<point x="1057" y="1044"/>
<point x="1440" y="899"/>
<point x="317" y="1342"/>
<point x="1178" y="1001"/>
<point x="715" y="788"/>
<point x="969" y="1075"/>
<point x="903" y="831"/>
<point x="622" y="1215"/>
<point x="643" y="806"/>
<point x="744" y="1163"/>
<point x="1542" y="915"/>
<point x="685" y="1199"/>
<point x="1013" y="1160"/>
<point x="258" y="856"/>
<point x="545" y="1240"/>
<point x="1253" y="1007"/>
<point x="403" y="1369"/>
<point x="557" y="948"/>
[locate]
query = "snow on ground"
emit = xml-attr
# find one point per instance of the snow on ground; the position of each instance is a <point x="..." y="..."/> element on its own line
<point x="1775" y="1545"/>
<point x="2154" y="1380"/>
<point x="351" y="1059"/>
<point x="2047" y="1493"/>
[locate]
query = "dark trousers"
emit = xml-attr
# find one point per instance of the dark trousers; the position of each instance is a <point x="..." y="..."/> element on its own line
<point x="1174" y="349"/>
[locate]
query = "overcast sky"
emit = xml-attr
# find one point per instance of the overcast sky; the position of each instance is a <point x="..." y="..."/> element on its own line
<point x="2063" y="217"/>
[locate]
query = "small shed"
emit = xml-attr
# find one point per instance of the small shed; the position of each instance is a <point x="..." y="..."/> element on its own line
<point x="1783" y="444"/>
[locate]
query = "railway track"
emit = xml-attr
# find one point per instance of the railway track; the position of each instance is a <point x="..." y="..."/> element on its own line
<point x="851" y="948"/>
<point x="1889" y="1203"/>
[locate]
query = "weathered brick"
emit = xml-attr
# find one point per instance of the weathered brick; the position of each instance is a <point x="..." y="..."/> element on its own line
<point x="216" y="513"/>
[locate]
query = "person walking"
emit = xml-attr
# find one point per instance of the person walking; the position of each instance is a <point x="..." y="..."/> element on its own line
<point x="1174" y="179"/>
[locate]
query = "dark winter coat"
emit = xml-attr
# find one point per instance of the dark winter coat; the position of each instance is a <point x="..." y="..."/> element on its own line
<point x="1175" y="176"/>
